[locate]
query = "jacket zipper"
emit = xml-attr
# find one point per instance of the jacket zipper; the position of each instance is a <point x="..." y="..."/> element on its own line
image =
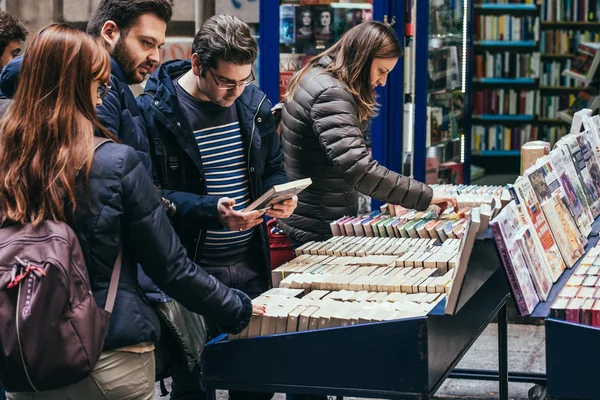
<point x="251" y="138"/>
<point x="19" y="338"/>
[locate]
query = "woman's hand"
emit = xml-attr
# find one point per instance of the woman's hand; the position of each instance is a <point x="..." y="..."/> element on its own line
<point x="443" y="200"/>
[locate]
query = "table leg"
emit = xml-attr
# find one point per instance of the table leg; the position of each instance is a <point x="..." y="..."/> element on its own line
<point x="503" y="353"/>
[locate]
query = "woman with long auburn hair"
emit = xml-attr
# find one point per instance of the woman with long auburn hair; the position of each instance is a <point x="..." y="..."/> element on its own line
<point x="327" y="105"/>
<point x="49" y="171"/>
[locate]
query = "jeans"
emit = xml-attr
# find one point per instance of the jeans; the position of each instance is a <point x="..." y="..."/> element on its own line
<point x="117" y="376"/>
<point x="2" y="394"/>
<point x="245" y="275"/>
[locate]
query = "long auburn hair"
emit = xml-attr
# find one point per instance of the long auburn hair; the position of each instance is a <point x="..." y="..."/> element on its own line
<point x="351" y="62"/>
<point x="46" y="138"/>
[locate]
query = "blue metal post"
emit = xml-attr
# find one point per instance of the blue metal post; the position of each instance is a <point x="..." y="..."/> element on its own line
<point x="269" y="49"/>
<point x="379" y="125"/>
<point x="421" y="87"/>
<point x="395" y="103"/>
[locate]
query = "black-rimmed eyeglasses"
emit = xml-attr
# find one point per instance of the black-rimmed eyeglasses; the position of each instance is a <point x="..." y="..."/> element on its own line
<point x="231" y="86"/>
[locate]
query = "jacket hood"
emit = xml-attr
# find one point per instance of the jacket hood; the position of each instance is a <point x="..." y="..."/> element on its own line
<point x="9" y="77"/>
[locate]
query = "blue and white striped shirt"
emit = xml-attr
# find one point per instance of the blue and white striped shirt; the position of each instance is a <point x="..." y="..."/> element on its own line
<point x="224" y="160"/>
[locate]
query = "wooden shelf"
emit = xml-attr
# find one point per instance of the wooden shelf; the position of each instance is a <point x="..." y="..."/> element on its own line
<point x="569" y="24"/>
<point x="556" y="56"/>
<point x="568" y="89"/>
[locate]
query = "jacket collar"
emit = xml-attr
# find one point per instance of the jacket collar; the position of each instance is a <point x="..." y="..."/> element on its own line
<point x="116" y="70"/>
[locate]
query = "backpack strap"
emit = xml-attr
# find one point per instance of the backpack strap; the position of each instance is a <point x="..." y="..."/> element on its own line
<point x="116" y="272"/>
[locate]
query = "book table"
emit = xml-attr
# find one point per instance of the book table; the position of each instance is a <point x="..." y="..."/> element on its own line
<point x="400" y="359"/>
<point x="572" y="350"/>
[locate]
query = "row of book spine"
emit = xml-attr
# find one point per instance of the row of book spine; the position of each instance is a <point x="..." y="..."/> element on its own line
<point x="570" y="10"/>
<point x="552" y="74"/>
<point x="502" y="138"/>
<point x="507" y="65"/>
<point x="505" y="102"/>
<point x="507" y="27"/>
<point x="564" y="41"/>
<point x="552" y="106"/>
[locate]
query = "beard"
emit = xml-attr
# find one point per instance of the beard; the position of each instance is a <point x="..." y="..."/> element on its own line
<point x="126" y="61"/>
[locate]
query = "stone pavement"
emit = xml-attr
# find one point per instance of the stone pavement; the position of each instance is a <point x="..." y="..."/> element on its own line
<point x="526" y="345"/>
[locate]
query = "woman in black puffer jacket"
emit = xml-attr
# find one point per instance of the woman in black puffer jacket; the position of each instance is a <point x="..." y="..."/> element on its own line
<point x="50" y="171"/>
<point x="327" y="104"/>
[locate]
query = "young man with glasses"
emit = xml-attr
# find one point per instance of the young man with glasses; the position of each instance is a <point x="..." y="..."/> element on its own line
<point x="215" y="150"/>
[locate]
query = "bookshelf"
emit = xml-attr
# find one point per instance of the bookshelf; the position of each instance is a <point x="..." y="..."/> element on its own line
<point x="563" y="26"/>
<point x="505" y="85"/>
<point x="558" y="29"/>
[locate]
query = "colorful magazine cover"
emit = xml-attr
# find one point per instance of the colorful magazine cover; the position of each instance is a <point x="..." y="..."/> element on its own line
<point x="506" y="227"/>
<point x="534" y="217"/>
<point x="574" y="194"/>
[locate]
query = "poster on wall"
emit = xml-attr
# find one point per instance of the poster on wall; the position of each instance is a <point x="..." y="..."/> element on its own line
<point x="246" y="10"/>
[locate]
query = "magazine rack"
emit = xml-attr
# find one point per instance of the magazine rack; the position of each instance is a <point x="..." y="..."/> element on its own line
<point x="407" y="358"/>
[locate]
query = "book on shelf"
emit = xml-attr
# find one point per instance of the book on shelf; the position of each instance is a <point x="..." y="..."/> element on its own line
<point x="584" y="67"/>
<point x="506" y="228"/>
<point x="505" y="102"/>
<point x="507" y="27"/>
<point x="507" y="65"/>
<point x="434" y="126"/>
<point x="278" y="194"/>
<point x="572" y="10"/>
<point x="444" y="68"/>
<point x="587" y="98"/>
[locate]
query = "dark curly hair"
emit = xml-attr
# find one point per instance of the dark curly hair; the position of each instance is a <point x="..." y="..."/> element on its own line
<point x="10" y="29"/>
<point x="125" y="13"/>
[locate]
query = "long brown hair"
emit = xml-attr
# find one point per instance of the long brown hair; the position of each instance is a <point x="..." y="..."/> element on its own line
<point x="46" y="138"/>
<point x="351" y="62"/>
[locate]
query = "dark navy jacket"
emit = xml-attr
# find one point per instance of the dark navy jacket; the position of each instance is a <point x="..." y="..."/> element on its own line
<point x="177" y="162"/>
<point x="122" y="209"/>
<point x="120" y="115"/>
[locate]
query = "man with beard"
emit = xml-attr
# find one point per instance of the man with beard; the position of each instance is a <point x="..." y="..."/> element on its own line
<point x="215" y="151"/>
<point x="133" y="32"/>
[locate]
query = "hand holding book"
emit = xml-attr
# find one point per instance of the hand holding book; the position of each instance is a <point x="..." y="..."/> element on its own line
<point x="283" y="209"/>
<point x="237" y="220"/>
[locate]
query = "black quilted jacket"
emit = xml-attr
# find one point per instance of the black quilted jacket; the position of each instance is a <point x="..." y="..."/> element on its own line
<point x="322" y="139"/>
<point x="124" y="210"/>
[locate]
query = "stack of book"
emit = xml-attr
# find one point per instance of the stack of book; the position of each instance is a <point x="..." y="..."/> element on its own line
<point x="544" y="229"/>
<point x="285" y="312"/>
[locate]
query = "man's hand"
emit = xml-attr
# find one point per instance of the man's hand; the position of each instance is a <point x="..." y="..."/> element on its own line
<point x="443" y="200"/>
<point x="237" y="220"/>
<point x="283" y="209"/>
<point x="259" y="309"/>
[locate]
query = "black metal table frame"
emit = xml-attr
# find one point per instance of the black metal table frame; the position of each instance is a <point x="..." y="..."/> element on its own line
<point x="502" y="376"/>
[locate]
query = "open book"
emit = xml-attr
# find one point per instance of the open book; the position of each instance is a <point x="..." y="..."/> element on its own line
<point x="278" y="194"/>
